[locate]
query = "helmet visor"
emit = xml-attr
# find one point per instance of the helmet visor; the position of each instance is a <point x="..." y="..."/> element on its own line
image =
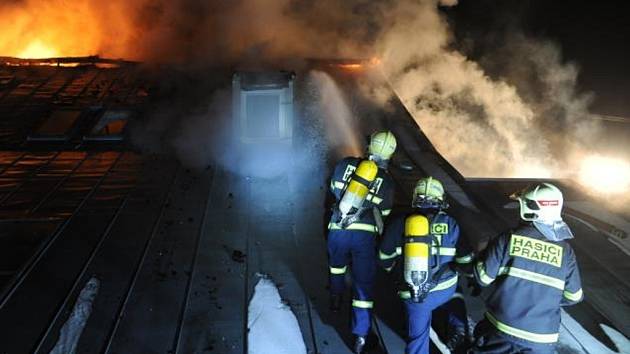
<point x="531" y="204"/>
<point x="424" y="202"/>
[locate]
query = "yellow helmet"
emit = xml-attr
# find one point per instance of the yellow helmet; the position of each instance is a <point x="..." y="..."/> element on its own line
<point x="429" y="193"/>
<point x="382" y="145"/>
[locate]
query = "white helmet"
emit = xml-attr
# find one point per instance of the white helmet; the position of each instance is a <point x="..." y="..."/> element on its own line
<point x="541" y="202"/>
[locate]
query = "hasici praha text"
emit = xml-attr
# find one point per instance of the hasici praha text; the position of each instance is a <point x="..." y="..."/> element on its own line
<point x="536" y="250"/>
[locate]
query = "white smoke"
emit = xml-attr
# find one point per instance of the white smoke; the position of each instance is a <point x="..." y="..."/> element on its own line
<point x="480" y="125"/>
<point x="526" y="120"/>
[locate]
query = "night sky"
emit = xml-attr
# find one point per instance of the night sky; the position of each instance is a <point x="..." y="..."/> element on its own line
<point x="595" y="35"/>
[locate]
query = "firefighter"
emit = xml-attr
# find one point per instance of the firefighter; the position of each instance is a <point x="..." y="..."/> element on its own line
<point x="535" y="273"/>
<point x="428" y="240"/>
<point x="364" y="193"/>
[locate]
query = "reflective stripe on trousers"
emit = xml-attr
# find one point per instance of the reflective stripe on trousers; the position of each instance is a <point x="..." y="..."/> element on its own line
<point x="338" y="271"/>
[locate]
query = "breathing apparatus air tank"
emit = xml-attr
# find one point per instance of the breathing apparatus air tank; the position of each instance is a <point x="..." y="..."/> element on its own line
<point x="358" y="188"/>
<point x="417" y="250"/>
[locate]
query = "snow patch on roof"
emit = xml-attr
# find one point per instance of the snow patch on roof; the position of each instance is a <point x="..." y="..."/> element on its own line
<point x="575" y="339"/>
<point x="273" y="328"/>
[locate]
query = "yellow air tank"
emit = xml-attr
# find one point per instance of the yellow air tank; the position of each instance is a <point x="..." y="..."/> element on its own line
<point x="417" y="251"/>
<point x="358" y="187"/>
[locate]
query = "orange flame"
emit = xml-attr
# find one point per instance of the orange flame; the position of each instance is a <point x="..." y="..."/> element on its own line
<point x="59" y="28"/>
<point x="360" y="65"/>
<point x="354" y="66"/>
<point x="38" y="50"/>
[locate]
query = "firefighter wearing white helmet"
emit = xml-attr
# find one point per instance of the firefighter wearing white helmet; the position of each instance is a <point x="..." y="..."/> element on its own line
<point x="429" y="243"/>
<point x="542" y="205"/>
<point x="535" y="272"/>
<point x="364" y="193"/>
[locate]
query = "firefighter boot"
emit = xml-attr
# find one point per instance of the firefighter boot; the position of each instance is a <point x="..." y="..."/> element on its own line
<point x="456" y="340"/>
<point x="359" y="345"/>
<point x="335" y="302"/>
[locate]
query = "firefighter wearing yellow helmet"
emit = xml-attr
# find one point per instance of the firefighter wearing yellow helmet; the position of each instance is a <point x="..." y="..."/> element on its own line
<point x="535" y="272"/>
<point x="429" y="243"/>
<point x="364" y="193"/>
<point x="382" y="147"/>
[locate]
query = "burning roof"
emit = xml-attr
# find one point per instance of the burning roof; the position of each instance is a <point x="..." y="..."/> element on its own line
<point x="62" y="99"/>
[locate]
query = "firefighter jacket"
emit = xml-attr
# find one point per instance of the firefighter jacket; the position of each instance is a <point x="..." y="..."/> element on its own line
<point x="533" y="278"/>
<point x="379" y="200"/>
<point x="448" y="248"/>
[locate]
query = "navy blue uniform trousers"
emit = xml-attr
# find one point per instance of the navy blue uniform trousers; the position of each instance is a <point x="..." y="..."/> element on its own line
<point x="419" y="319"/>
<point x="359" y="249"/>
